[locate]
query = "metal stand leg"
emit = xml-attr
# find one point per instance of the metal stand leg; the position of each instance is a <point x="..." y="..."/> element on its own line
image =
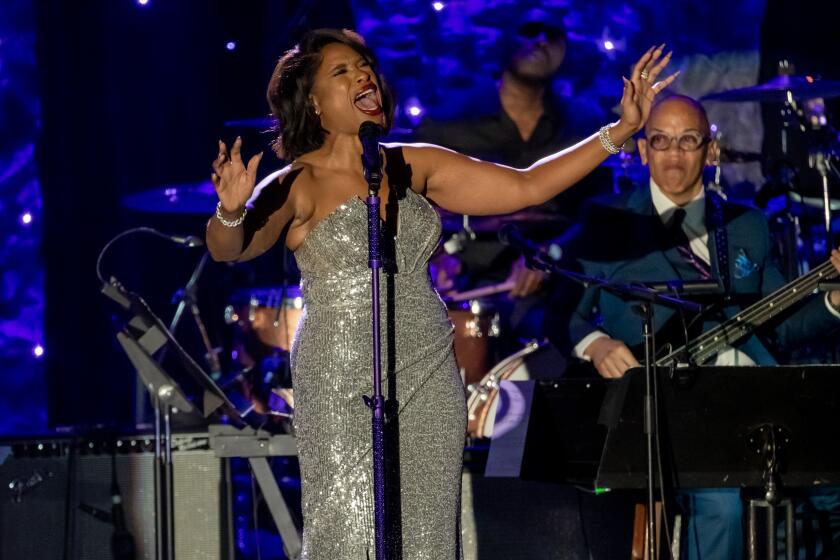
<point x="771" y="531"/>
<point x="169" y="504"/>
<point x="770" y="518"/>
<point x="163" y="477"/>
<point x="277" y="506"/>
<point x="769" y="442"/>
<point x="158" y="480"/>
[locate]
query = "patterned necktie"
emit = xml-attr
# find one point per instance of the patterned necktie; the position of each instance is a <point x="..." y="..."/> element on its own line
<point x="681" y="242"/>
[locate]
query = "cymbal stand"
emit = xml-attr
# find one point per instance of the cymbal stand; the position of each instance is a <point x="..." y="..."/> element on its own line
<point x="458" y="241"/>
<point x="819" y="160"/>
<point x="819" y="156"/>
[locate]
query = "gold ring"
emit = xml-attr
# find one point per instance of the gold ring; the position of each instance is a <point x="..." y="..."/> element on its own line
<point x="644" y="74"/>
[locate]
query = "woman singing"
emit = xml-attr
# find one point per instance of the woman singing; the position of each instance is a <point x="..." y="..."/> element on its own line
<point x="321" y="91"/>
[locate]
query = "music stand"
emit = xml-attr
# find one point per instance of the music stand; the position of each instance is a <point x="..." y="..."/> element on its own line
<point x="759" y="427"/>
<point x="141" y="338"/>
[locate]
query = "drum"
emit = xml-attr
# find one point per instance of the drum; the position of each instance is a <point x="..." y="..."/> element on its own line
<point x="269" y="314"/>
<point x="476" y="323"/>
<point x="535" y="360"/>
<point x="264" y="321"/>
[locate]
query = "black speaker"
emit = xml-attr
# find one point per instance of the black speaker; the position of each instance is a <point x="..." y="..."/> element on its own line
<point x="57" y="497"/>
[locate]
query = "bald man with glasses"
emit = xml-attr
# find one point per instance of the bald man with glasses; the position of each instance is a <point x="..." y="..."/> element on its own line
<point x="674" y="229"/>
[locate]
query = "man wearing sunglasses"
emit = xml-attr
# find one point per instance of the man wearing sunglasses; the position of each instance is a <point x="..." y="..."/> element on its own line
<point x="524" y="123"/>
<point x="673" y="229"/>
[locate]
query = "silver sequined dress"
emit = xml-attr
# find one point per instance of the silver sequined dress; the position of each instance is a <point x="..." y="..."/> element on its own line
<point x="331" y="369"/>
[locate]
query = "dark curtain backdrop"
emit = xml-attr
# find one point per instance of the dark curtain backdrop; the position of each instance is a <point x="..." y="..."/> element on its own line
<point x="23" y="406"/>
<point x="135" y="97"/>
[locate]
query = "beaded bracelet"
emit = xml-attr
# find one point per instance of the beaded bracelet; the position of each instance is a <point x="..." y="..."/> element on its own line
<point x="606" y="141"/>
<point x="229" y="223"/>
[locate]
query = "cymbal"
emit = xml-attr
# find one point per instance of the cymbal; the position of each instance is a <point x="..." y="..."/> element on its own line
<point x="802" y="204"/>
<point x="530" y="217"/>
<point x="776" y="90"/>
<point x="185" y="198"/>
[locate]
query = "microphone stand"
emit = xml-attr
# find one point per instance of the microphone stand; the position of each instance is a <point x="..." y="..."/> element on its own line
<point x="188" y="298"/>
<point x="373" y="176"/>
<point x="647" y="297"/>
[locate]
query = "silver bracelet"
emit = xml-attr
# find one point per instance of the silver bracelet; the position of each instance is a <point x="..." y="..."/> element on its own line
<point x="229" y="223"/>
<point x="606" y="141"/>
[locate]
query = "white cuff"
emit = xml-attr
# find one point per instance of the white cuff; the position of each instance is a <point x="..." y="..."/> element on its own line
<point x="831" y="309"/>
<point x="581" y="346"/>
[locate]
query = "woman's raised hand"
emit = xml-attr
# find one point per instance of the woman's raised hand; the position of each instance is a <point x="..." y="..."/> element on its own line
<point x="641" y="89"/>
<point x="234" y="182"/>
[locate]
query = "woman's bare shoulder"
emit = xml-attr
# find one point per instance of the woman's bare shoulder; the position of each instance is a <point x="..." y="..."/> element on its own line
<point x="284" y="178"/>
<point x="415" y="160"/>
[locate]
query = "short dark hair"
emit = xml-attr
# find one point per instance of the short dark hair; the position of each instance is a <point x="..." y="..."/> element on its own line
<point x="299" y="128"/>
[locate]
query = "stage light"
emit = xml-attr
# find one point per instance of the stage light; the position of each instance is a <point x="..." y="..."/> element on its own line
<point x="38" y="351"/>
<point x="438" y="6"/>
<point x="609" y="44"/>
<point x="26" y="218"/>
<point x="143" y="2"/>
<point x="414" y="110"/>
<point x="713" y="127"/>
<point x="231" y="45"/>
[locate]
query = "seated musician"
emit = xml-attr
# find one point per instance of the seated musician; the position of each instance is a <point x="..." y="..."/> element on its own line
<point x="674" y="229"/>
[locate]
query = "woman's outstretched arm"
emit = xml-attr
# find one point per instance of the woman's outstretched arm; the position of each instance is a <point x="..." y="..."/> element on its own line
<point x="470" y="186"/>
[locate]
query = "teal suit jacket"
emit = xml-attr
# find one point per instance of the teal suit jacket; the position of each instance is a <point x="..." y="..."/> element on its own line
<point x="622" y="239"/>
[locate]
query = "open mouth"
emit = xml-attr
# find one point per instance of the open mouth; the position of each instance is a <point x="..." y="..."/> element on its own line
<point x="367" y="101"/>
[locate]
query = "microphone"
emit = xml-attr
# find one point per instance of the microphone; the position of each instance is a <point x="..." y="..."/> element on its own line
<point x="687" y="287"/>
<point x="369" y="133"/>
<point x="185" y="241"/>
<point x="509" y="234"/>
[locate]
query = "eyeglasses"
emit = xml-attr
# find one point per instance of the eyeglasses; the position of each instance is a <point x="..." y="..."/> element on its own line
<point x="686" y="142"/>
<point x="533" y="29"/>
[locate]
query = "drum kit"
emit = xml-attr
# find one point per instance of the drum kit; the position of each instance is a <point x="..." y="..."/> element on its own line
<point x="802" y="191"/>
<point x="263" y="320"/>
